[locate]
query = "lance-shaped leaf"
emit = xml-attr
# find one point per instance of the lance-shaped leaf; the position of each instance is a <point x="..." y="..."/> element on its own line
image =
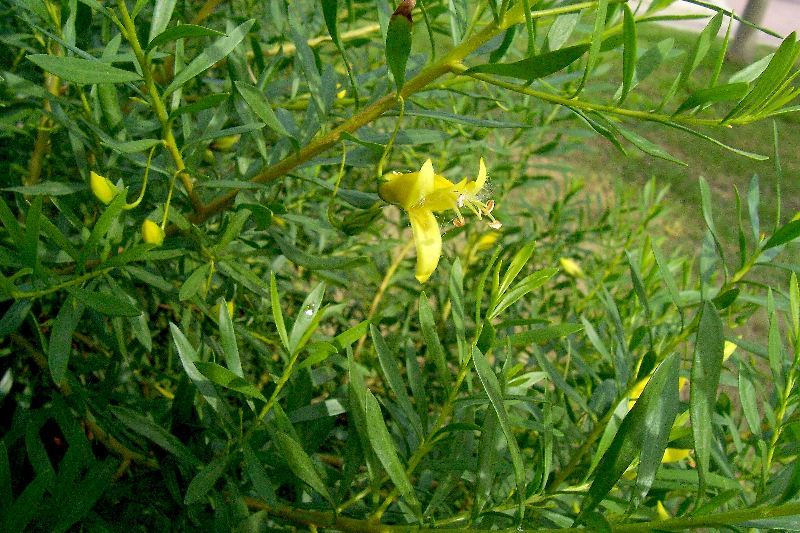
<point x="641" y="423"/>
<point x="398" y="41"/>
<point x="78" y="70"/>
<point x="706" y="368"/>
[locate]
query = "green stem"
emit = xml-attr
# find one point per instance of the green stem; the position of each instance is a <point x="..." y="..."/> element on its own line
<point x="342" y="523"/>
<point x="458" y="68"/>
<point x="379" y="107"/>
<point x="158" y="105"/>
<point x="26" y="295"/>
<point x="287" y="373"/>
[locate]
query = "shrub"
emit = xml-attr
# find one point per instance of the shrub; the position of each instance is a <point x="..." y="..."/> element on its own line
<point x="211" y="314"/>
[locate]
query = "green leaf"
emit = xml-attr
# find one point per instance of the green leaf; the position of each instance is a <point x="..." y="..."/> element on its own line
<point x="491" y="385"/>
<point x="660" y="391"/>
<point x="775" y="350"/>
<point x="162" y="13"/>
<point x="768" y="81"/>
<point x="747" y="397"/>
<point x="596" y="42"/>
<point x="102" y="226"/>
<point x="27" y="505"/>
<point x="783" y="235"/>
<point x="628" y="53"/>
<point x="301" y="464"/>
<point x="647" y="146"/>
<point x="720" y="93"/>
<point x="329" y="262"/>
<point x="225" y="378"/>
<point x="391" y="373"/>
<point x="48" y="188"/>
<point x="206" y="102"/>
<point x="705" y="373"/>
<point x="228" y="339"/>
<point x="349" y="336"/>
<point x="6" y="488"/>
<point x="519" y="260"/>
<point x="432" y="343"/>
<point x="258" y="103"/>
<point x="194" y="282"/>
<point x="211" y="55"/>
<point x="188" y="357"/>
<point x="30" y="243"/>
<point x="154" y="433"/>
<point x="542" y="335"/>
<point x="657" y="425"/>
<point x="86" y="494"/>
<point x="233" y="229"/>
<point x="132" y="147"/>
<point x="277" y="313"/>
<point x="307" y="319"/>
<point x="205" y="480"/>
<point x="258" y="476"/>
<point x="561" y="30"/>
<point x="105" y="303"/>
<point x="753" y="198"/>
<point x="180" y="32"/>
<point x="528" y="284"/>
<point x="535" y="67"/>
<point x="84" y="71"/>
<point x="698" y="52"/>
<point x="398" y="44"/>
<point x="14" y="316"/>
<point x="61" y="338"/>
<point x="384" y="448"/>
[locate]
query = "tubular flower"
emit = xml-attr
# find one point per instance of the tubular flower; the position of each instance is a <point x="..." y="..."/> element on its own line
<point x="152" y="233"/>
<point x="103" y="189"/>
<point x="423" y="193"/>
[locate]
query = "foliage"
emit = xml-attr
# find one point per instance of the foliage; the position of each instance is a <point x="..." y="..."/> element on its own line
<point x="210" y="318"/>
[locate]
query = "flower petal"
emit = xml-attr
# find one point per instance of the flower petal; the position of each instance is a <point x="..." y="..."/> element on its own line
<point x="428" y="240"/>
<point x="481" y="181"/>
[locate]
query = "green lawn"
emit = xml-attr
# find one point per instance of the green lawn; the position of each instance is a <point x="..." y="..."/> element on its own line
<point x="723" y="169"/>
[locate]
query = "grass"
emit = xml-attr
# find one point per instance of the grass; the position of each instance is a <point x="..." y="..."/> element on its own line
<point x="723" y="169"/>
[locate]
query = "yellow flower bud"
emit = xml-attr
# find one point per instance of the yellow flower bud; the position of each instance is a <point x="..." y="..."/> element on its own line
<point x="223" y="144"/>
<point x="571" y="267"/>
<point x="152" y="233"/>
<point x="341" y="94"/>
<point x="103" y="189"/>
<point x="730" y="347"/>
<point x="662" y="512"/>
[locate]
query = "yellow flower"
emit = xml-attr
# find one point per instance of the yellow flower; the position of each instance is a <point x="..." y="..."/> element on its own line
<point x="571" y="267"/>
<point x="103" y="189"/>
<point x="152" y="233"/>
<point x="423" y="193"/>
<point x="673" y="455"/>
<point x="662" y="513"/>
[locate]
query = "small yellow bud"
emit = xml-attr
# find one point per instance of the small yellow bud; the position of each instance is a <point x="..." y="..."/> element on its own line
<point x="571" y="267"/>
<point x="341" y="94"/>
<point x="662" y="512"/>
<point x="673" y="455"/>
<point x="223" y="144"/>
<point x="152" y="233"/>
<point x="728" y="350"/>
<point x="103" y="189"/>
